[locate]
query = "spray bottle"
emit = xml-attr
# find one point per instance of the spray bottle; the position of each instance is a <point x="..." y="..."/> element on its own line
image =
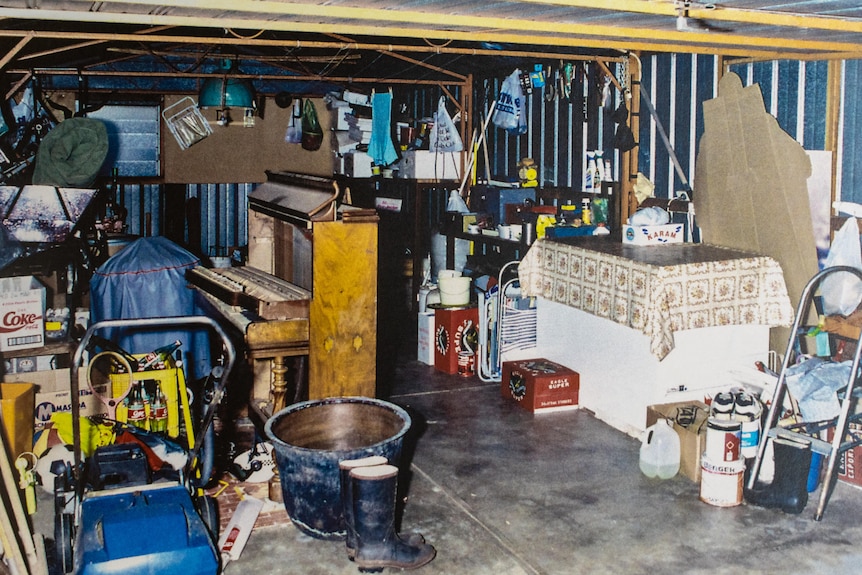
<point x="591" y="172"/>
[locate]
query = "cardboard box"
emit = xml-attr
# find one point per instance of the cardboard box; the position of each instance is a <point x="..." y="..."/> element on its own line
<point x="30" y="363"/>
<point x="689" y="419"/>
<point x="849" y="463"/>
<point x="654" y="235"/>
<point x="427" y="165"/>
<point x="53" y="394"/>
<point x="16" y="404"/>
<point x="357" y="165"/>
<point x="454" y="332"/>
<point x="425" y="338"/>
<point x="22" y="313"/>
<point x="539" y="385"/>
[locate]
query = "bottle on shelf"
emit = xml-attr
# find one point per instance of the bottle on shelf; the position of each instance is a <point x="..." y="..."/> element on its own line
<point x="159" y="411"/>
<point x="156" y="358"/>
<point x="137" y="411"/>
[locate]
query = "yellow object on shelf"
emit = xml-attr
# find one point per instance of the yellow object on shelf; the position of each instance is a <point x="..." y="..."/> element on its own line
<point x="17" y="403"/>
<point x="173" y="383"/>
<point x="542" y="222"/>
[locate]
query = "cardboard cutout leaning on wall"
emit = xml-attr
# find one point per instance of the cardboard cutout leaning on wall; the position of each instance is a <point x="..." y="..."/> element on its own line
<point x="751" y="187"/>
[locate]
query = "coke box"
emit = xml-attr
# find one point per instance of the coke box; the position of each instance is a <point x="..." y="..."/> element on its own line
<point x="22" y="309"/>
<point x="455" y="333"/>
<point x="539" y="385"/>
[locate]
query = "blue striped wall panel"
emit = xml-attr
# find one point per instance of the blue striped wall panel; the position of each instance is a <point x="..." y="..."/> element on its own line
<point x="851" y="165"/>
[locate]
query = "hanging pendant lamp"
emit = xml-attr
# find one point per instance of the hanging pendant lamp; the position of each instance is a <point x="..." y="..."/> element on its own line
<point x="223" y="92"/>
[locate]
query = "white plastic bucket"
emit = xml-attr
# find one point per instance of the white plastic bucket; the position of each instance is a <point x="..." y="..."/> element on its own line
<point x="454" y="290"/>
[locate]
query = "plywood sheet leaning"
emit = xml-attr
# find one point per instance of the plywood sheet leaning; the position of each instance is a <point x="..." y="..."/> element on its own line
<point x="751" y="187"/>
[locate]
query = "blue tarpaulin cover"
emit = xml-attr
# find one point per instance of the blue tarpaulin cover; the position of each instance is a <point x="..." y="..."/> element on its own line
<point x="147" y="280"/>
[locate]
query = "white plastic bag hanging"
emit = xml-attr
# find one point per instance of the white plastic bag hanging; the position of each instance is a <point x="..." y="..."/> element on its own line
<point x="294" y="126"/>
<point x="842" y="292"/>
<point x="444" y="137"/>
<point x="510" y="112"/>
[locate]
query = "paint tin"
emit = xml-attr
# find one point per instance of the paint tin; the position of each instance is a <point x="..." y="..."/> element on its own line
<point x="721" y="482"/>
<point x="722" y="439"/>
<point x="749" y="437"/>
<point x="466" y="363"/>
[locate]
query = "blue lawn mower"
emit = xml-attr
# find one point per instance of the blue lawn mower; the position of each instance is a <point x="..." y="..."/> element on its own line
<point x="112" y="515"/>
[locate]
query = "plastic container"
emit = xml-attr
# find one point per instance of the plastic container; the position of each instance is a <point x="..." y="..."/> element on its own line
<point x="454" y="290"/>
<point x="660" y="451"/>
<point x="310" y="438"/>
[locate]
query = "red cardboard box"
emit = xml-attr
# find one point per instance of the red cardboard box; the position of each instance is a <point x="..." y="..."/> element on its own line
<point x="849" y="463"/>
<point x="455" y="332"/>
<point x="850" y="466"/>
<point x="539" y="385"/>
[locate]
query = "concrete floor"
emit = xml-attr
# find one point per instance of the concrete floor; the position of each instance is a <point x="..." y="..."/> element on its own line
<point x="500" y="491"/>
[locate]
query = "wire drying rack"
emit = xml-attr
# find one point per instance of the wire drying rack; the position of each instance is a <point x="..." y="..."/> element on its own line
<point x="186" y="123"/>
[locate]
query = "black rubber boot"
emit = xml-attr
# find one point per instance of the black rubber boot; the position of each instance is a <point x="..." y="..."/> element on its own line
<point x="378" y="545"/>
<point x="789" y="488"/>
<point x="345" y="467"/>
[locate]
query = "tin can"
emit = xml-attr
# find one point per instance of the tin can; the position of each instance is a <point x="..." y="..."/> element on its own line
<point x="722" y="439"/>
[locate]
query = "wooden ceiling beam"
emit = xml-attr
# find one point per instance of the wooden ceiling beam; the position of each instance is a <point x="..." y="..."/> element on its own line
<point x="501" y="30"/>
<point x="698" y="10"/>
<point x="10" y="55"/>
<point x="82" y="45"/>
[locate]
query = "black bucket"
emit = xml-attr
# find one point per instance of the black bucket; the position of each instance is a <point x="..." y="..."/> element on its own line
<point x="312" y="437"/>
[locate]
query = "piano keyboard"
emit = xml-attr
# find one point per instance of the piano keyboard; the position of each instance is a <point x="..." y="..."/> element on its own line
<point x="271" y="297"/>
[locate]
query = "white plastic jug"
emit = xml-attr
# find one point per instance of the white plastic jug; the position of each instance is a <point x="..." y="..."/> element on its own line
<point x="659" y="455"/>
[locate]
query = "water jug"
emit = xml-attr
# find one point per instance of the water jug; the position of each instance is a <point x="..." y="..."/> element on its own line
<point x="659" y="454"/>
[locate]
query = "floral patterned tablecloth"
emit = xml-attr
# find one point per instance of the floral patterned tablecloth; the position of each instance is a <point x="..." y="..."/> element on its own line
<point x="658" y="290"/>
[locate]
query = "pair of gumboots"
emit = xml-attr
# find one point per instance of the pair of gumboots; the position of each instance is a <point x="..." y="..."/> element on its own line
<point x="369" y="492"/>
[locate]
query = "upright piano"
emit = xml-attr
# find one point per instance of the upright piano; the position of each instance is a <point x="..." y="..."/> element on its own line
<point x="308" y="292"/>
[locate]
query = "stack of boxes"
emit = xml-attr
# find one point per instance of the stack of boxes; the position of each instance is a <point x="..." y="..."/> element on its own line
<point x="351" y="125"/>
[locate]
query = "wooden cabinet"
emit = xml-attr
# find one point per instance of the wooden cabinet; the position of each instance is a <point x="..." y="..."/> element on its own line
<point x="342" y="350"/>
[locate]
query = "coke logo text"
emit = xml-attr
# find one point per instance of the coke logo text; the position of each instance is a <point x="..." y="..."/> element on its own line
<point x="13" y="321"/>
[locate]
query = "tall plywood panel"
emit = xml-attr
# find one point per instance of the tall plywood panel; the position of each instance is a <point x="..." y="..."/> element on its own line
<point x="343" y="313"/>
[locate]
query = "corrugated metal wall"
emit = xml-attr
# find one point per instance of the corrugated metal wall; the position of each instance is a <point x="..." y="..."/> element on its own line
<point x="795" y="92"/>
<point x="222" y="212"/>
<point x="560" y="132"/>
<point x="561" y="129"/>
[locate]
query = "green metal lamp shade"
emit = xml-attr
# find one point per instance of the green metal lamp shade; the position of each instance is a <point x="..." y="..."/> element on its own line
<point x="226" y="93"/>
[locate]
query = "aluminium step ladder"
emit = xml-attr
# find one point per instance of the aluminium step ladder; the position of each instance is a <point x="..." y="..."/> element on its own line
<point x="843" y="438"/>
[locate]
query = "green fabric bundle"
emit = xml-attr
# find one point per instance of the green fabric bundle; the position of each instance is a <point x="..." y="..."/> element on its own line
<point x="72" y="154"/>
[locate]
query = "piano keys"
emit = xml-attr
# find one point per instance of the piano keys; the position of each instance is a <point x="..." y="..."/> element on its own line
<point x="269" y="315"/>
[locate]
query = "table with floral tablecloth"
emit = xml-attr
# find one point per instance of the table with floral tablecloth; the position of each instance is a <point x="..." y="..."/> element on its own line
<point x="658" y="290"/>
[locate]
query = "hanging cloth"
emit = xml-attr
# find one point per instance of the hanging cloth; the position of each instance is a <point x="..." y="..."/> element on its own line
<point x="380" y="148"/>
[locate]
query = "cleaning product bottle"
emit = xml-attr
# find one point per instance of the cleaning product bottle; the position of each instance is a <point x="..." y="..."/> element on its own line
<point x="660" y="451"/>
<point x="589" y="177"/>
